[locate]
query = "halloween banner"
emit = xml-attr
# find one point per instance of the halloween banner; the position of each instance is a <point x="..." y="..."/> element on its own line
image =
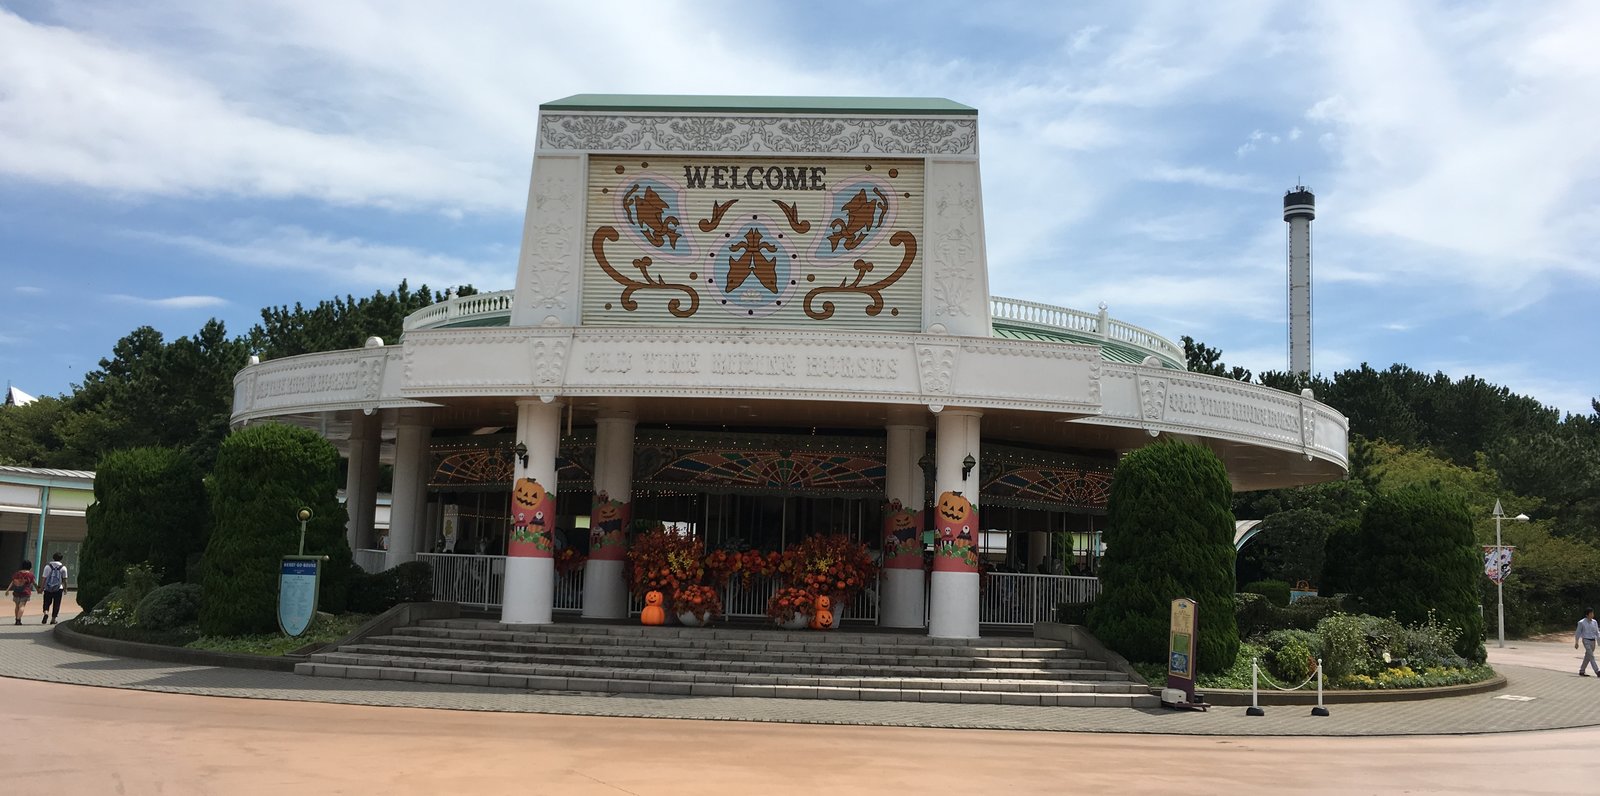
<point x="533" y="520"/>
<point x="902" y="537"/>
<point x="956" y="519"/>
<point x="608" y="528"/>
<point x="1497" y="562"/>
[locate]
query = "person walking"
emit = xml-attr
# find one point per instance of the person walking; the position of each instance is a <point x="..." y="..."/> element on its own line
<point x="21" y="588"/>
<point x="53" y="584"/>
<point x="1588" y="631"/>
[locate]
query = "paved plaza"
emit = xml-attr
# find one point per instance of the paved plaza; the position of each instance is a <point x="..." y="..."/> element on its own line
<point x="1548" y="697"/>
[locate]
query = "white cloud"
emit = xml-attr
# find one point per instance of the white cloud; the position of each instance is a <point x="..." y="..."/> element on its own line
<point x="28" y="290"/>
<point x="172" y="302"/>
<point x="1205" y="177"/>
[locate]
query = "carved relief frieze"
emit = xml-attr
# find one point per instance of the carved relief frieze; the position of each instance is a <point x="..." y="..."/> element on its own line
<point x="1153" y="398"/>
<point x="936" y="367"/>
<point x="783" y="134"/>
<point x="549" y="361"/>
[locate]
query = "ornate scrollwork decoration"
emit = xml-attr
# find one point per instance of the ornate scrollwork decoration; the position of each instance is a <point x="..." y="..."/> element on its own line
<point x="718" y="210"/>
<point x="791" y="213"/>
<point x="608" y="234"/>
<point x="903" y="239"/>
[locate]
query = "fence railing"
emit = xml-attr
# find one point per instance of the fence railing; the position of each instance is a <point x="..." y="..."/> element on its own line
<point x="1006" y="599"/>
<point x="1010" y="598"/>
<point x="370" y="560"/>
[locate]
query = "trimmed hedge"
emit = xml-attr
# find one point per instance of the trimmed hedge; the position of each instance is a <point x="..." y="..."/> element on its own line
<point x="150" y="505"/>
<point x="1275" y="590"/>
<point x="411" y="582"/>
<point x="170" y="607"/>
<point x="264" y="474"/>
<point x="1169" y="534"/>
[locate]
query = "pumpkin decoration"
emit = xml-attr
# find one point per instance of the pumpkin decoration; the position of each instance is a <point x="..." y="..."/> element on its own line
<point x="822" y="617"/>
<point x="957" y="520"/>
<point x="902" y="539"/>
<point x="533" y="512"/>
<point x="654" y="613"/>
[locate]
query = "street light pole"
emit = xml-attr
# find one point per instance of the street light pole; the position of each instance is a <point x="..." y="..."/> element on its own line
<point x="1500" y="570"/>
<point x="305" y="514"/>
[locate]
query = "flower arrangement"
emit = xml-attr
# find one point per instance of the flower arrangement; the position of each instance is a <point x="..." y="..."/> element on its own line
<point x="831" y="564"/>
<point x="701" y="601"/>
<point x="663" y="561"/>
<point x="723" y="566"/>
<point x="789" y="602"/>
<point x="569" y="560"/>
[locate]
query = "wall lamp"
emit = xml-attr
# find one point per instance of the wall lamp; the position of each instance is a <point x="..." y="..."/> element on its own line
<point x="926" y="463"/>
<point x="521" y="452"/>
<point x="966" y="466"/>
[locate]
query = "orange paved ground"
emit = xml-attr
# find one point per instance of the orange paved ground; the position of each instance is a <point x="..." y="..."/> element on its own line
<point x="114" y="741"/>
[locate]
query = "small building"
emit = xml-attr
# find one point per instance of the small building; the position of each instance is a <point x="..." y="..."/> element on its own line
<point x="755" y="318"/>
<point x="42" y="513"/>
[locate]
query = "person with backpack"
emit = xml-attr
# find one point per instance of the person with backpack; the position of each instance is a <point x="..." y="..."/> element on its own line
<point x="21" y="588"/>
<point x="53" y="583"/>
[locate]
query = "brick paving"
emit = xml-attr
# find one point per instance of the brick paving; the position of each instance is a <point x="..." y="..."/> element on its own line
<point x="1559" y="700"/>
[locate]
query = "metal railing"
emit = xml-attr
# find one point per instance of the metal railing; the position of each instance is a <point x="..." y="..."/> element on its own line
<point x="569" y="591"/>
<point x="1032" y="313"/>
<point x="467" y="580"/>
<point x="370" y="560"/>
<point x="1010" y="598"/>
<point x="461" y="308"/>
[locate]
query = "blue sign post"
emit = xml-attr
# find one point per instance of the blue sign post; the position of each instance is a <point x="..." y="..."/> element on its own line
<point x="298" y="585"/>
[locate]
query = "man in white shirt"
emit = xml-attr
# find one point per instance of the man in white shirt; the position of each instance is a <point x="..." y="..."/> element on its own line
<point x="1588" y="631"/>
<point x="53" y="582"/>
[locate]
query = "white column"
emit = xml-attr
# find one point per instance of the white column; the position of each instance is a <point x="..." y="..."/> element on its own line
<point x="410" y="489"/>
<point x="953" y="603"/>
<point x="530" y="590"/>
<point x="904" y="586"/>
<point x="361" y="478"/>
<point x="605" y="593"/>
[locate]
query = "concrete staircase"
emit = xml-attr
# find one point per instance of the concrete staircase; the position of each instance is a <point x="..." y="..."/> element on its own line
<point x="633" y="659"/>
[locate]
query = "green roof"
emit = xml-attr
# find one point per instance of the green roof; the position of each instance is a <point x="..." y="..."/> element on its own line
<point x="1110" y="350"/>
<point x="673" y="103"/>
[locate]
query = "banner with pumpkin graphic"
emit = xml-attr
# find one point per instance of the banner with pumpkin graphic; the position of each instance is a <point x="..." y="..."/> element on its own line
<point x="533" y="520"/>
<point x="902" y="537"/>
<point x="608" y="528"/>
<point x="956" y="520"/>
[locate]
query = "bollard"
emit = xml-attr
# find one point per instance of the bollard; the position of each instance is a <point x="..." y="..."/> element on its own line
<point x="1255" y="702"/>
<point x="1319" y="710"/>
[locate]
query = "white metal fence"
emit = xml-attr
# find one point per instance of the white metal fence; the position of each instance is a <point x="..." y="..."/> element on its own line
<point x="1010" y="598"/>
<point x="369" y="560"/>
<point x="1006" y="598"/>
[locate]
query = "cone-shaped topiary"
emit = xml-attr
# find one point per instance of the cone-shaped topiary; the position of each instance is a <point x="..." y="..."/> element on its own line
<point x="150" y="505"/>
<point x="1415" y="553"/>
<point x="263" y="475"/>
<point x="1169" y="534"/>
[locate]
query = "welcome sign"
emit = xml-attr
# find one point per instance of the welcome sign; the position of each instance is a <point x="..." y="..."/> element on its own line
<point x="740" y="241"/>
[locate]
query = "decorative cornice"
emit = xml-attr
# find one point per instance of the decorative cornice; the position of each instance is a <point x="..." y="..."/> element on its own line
<point x="781" y="134"/>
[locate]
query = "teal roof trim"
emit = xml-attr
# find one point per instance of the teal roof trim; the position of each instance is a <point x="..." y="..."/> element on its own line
<point x="1110" y="350"/>
<point x="683" y="103"/>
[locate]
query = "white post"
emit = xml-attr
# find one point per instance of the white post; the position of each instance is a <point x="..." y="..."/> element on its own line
<point x="1255" y="701"/>
<point x="1319" y="710"/>
<point x="953" y="604"/>
<point x="902" y="585"/>
<point x="530" y="589"/>
<point x="605" y="593"/>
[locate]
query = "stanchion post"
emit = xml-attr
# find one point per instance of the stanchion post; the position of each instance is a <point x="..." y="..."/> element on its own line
<point x="1320" y="709"/>
<point x="1255" y="702"/>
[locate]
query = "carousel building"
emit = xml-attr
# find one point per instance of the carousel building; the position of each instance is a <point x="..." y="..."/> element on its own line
<point x="754" y="319"/>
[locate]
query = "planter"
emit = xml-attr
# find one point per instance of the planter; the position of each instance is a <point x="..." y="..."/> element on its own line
<point x="690" y="620"/>
<point x="799" y="622"/>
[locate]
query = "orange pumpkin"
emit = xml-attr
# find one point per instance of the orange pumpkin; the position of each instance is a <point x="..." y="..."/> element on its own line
<point x="822" y="616"/>
<point x="653" y="613"/>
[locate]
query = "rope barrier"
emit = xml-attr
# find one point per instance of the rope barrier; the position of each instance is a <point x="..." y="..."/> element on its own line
<point x="1263" y="675"/>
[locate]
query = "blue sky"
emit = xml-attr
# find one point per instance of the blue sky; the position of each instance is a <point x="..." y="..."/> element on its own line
<point x="164" y="165"/>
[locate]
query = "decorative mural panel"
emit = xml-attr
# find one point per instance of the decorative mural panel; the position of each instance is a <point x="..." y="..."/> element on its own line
<point x="480" y="467"/>
<point x="751" y="241"/>
<point x="1043" y="487"/>
<point x="776" y="471"/>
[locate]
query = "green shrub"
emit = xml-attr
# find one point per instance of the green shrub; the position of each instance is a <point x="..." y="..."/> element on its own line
<point x="264" y="474"/>
<point x="1290" y="654"/>
<point x="1275" y="590"/>
<point x="138" y="580"/>
<point x="149" y="505"/>
<point x="1430" y="643"/>
<point x="1169" y="534"/>
<point x="411" y="582"/>
<point x="1254" y="615"/>
<point x="169" y="607"/>
<point x="1344" y="646"/>
<point x="1416" y="555"/>
<point x="1306" y="612"/>
<point x="1073" y="613"/>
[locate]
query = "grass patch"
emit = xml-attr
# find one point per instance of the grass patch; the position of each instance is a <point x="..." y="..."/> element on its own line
<point x="323" y="630"/>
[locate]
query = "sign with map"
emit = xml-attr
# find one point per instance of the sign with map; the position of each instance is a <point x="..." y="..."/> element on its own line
<point x="754" y="241"/>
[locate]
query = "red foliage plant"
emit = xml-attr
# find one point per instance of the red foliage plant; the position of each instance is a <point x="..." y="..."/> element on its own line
<point x="701" y="601"/>
<point x="660" y="560"/>
<point x="831" y="564"/>
<point x="789" y="602"/>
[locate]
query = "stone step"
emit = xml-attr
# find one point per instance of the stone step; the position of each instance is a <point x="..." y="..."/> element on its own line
<point x="1091" y="670"/>
<point x="997" y="682"/>
<point x="717" y="654"/>
<point x="817" y="643"/>
<point x="913" y="638"/>
<point x="666" y="687"/>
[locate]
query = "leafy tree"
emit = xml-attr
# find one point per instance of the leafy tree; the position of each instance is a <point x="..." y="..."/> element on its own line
<point x="28" y="436"/>
<point x="1415" y="554"/>
<point x="1202" y="358"/>
<point x="1288" y="547"/>
<point x="149" y="506"/>
<point x="264" y="474"/>
<point x="340" y="323"/>
<point x="1169" y="534"/>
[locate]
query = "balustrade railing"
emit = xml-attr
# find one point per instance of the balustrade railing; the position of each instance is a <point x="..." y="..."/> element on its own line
<point x="1097" y="324"/>
<point x="461" y="309"/>
<point x="1010" y="598"/>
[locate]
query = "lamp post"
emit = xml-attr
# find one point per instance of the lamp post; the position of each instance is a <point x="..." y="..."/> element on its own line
<point x="304" y="514"/>
<point x="1499" y="582"/>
